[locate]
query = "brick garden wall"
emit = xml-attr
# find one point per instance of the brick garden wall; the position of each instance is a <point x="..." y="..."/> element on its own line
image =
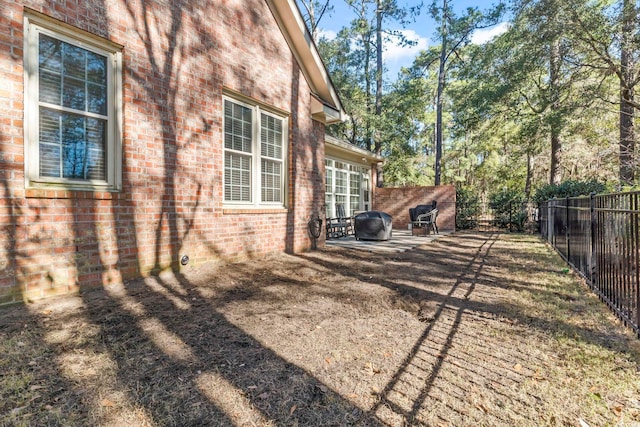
<point x="397" y="201"/>
<point x="178" y="56"/>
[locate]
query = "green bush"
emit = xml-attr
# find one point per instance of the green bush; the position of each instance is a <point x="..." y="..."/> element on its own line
<point x="467" y="208"/>
<point x="568" y="188"/>
<point x="509" y="208"/>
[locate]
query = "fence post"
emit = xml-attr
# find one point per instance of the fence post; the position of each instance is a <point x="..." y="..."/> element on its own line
<point x="592" y="261"/>
<point x="510" y="218"/>
<point x="567" y="234"/>
<point x="635" y="207"/>
<point x="550" y="221"/>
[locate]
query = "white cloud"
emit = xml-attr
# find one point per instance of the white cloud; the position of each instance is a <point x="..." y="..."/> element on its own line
<point x="486" y="34"/>
<point x="327" y="34"/>
<point x="396" y="53"/>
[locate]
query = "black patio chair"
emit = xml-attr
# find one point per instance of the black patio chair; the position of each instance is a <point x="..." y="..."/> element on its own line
<point x="340" y="226"/>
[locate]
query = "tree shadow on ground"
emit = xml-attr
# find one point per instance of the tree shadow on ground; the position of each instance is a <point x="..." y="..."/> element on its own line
<point x="208" y="349"/>
<point x="160" y="352"/>
<point x="424" y="273"/>
<point x="203" y="349"/>
<point x="460" y="351"/>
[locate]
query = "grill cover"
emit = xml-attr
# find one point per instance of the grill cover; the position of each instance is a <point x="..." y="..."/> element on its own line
<point x="373" y="225"/>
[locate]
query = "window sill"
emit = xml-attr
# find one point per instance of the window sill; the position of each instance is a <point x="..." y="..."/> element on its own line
<point x="45" y="193"/>
<point x="253" y="211"/>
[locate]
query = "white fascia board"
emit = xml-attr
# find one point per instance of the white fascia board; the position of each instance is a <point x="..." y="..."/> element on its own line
<point x="335" y="145"/>
<point x="304" y="49"/>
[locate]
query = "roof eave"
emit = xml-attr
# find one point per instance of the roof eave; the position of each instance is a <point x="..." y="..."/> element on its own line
<point x="348" y="148"/>
<point x="324" y="113"/>
<point x="301" y="43"/>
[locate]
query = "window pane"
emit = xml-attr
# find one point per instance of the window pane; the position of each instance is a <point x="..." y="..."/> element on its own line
<point x="354" y="190"/>
<point x="50" y="53"/>
<point x="74" y="95"/>
<point x="271" y="137"/>
<point x="96" y="137"/>
<point x="50" y="160"/>
<point x="329" y="184"/>
<point x="50" y="127"/>
<point x="237" y="127"/>
<point x="366" y="185"/>
<point x="355" y="204"/>
<point x="97" y="99"/>
<point x="50" y="87"/>
<point x="237" y="178"/>
<point x="271" y="181"/>
<point x="341" y="182"/>
<point x="71" y="76"/>
<point x="50" y="144"/>
<point x="74" y="146"/>
<point x="96" y="68"/>
<point x="354" y="183"/>
<point x="73" y="61"/>
<point x="71" y="146"/>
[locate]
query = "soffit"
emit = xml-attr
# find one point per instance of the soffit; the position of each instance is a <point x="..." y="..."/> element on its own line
<point x="328" y="106"/>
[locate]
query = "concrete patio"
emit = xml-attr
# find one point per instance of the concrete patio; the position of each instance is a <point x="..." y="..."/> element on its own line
<point x="401" y="241"/>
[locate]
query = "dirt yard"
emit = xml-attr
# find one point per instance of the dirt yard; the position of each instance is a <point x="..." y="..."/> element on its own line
<point x="472" y="329"/>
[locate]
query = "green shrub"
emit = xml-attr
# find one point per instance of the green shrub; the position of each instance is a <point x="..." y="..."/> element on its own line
<point x="568" y="188"/>
<point x="509" y="209"/>
<point x="467" y="208"/>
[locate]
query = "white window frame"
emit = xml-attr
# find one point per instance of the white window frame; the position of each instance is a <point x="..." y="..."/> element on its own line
<point x="34" y="25"/>
<point x="364" y="196"/>
<point x="257" y="111"/>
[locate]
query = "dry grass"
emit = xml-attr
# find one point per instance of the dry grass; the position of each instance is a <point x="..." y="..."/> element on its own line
<point x="473" y="329"/>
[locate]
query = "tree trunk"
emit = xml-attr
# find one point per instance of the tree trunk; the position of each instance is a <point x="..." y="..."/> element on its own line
<point x="379" y="71"/>
<point x="555" y="175"/>
<point x="527" y="184"/>
<point x="627" y="138"/>
<point x="367" y="84"/>
<point x="312" y="21"/>
<point x="627" y="131"/>
<point x="377" y="147"/>
<point x="440" y="93"/>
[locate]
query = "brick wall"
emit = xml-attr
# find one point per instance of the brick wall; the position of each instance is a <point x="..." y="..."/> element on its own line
<point x="397" y="201"/>
<point x="178" y="56"/>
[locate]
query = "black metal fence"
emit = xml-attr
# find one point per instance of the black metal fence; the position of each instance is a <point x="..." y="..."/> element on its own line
<point x="599" y="236"/>
<point x="514" y="217"/>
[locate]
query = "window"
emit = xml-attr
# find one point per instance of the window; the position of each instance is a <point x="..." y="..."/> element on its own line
<point x="72" y="107"/>
<point x="348" y="184"/>
<point x="340" y="191"/>
<point x="366" y="189"/>
<point x="354" y="190"/>
<point x="254" y="155"/>
<point x="328" y="194"/>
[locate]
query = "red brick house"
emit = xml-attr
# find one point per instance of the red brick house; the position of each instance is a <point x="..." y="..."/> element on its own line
<point x="133" y="133"/>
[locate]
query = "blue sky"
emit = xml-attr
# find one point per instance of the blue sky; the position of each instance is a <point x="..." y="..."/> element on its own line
<point x="421" y="31"/>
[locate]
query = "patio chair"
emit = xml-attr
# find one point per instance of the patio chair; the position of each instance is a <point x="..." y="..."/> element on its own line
<point x="425" y="222"/>
<point x="421" y="209"/>
<point x="341" y="226"/>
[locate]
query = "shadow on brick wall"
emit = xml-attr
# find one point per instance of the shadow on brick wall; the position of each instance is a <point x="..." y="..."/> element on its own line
<point x="396" y="201"/>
